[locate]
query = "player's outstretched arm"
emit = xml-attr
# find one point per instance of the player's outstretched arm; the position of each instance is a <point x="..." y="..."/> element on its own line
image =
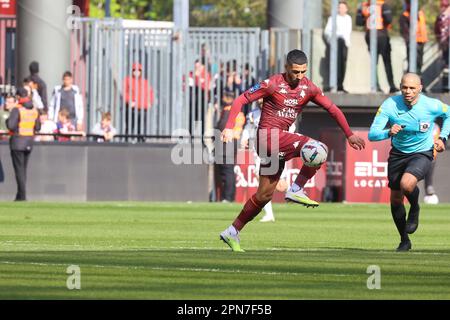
<point x="355" y="141"/>
<point x="445" y="114"/>
<point x="377" y="131"/>
<point x="238" y="103"/>
<point x="255" y="93"/>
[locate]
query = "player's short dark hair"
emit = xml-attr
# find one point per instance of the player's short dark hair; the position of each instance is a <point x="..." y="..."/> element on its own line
<point x="296" y="57"/>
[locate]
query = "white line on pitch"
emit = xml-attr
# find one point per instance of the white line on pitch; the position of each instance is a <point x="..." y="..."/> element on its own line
<point x="213" y="270"/>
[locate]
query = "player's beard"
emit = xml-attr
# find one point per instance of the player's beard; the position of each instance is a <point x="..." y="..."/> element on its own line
<point x="293" y="82"/>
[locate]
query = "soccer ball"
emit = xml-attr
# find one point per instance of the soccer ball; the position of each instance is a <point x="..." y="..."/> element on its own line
<point x="314" y="153"/>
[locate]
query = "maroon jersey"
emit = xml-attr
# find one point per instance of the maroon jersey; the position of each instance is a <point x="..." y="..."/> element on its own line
<point x="282" y="104"/>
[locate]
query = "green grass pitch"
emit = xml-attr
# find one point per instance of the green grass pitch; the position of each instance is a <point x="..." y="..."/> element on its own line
<point x="173" y="251"/>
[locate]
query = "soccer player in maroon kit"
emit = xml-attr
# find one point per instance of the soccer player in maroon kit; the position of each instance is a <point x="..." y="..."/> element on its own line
<point x="285" y="95"/>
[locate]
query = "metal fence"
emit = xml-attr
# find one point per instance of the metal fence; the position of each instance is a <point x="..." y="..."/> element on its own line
<point x="375" y="50"/>
<point x="126" y="71"/>
<point x="281" y="41"/>
<point x="7" y="54"/>
<point x="214" y="61"/>
<point x="183" y="74"/>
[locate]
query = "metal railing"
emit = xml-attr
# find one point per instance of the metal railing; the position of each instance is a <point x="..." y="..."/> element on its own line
<point x="281" y="41"/>
<point x="7" y="55"/>
<point x="184" y="72"/>
<point x="105" y="55"/>
<point x="373" y="47"/>
<point x="216" y="60"/>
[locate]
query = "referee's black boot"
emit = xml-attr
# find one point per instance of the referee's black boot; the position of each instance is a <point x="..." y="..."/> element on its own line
<point x="413" y="222"/>
<point x="404" y="246"/>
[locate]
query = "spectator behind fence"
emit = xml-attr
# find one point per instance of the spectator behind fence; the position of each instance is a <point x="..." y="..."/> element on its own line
<point x="200" y="82"/>
<point x="31" y="87"/>
<point x="343" y="33"/>
<point x="227" y="80"/>
<point x="139" y="98"/>
<point x="47" y="127"/>
<point x="41" y="85"/>
<point x="104" y="127"/>
<point x="382" y="25"/>
<point x="233" y="78"/>
<point x="23" y="121"/>
<point x="225" y="162"/>
<point x="442" y="31"/>
<point x="10" y="103"/>
<point x="248" y="82"/>
<point x="421" y="34"/>
<point x="65" y="126"/>
<point x="67" y="95"/>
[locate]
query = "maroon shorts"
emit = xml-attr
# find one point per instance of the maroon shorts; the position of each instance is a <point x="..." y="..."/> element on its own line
<point x="275" y="147"/>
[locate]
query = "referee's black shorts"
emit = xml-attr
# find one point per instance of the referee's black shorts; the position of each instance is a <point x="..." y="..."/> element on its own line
<point x="399" y="163"/>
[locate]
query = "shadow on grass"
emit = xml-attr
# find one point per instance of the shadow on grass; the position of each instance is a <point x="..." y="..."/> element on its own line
<point x="224" y="249"/>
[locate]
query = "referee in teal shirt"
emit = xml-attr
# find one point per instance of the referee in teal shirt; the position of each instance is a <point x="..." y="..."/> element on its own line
<point x="411" y="117"/>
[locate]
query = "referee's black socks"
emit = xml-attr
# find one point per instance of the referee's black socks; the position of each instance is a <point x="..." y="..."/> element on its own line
<point x="399" y="216"/>
<point x="413" y="199"/>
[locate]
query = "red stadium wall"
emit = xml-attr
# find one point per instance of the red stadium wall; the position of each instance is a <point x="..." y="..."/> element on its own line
<point x="357" y="176"/>
<point x="353" y="176"/>
<point x="8" y="8"/>
<point x="246" y="176"/>
<point x="367" y="172"/>
<point x="335" y="141"/>
<point x="247" y="179"/>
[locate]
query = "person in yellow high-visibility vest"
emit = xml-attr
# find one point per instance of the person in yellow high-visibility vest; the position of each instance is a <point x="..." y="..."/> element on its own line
<point x="421" y="34"/>
<point x="22" y="124"/>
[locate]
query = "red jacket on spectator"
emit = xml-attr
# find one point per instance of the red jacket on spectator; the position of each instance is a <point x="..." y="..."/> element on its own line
<point x="137" y="91"/>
